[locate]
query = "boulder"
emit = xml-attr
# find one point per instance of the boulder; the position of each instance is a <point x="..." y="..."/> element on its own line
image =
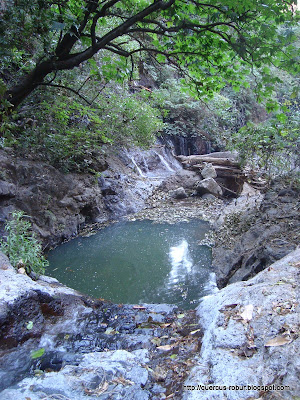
<point x="250" y="339"/>
<point x="209" y="185"/>
<point x="208" y="171"/>
<point x="183" y="178"/>
<point x="7" y="189"/>
<point x="178" y="193"/>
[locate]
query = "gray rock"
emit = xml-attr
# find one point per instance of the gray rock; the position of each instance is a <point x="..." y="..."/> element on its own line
<point x="183" y="178"/>
<point x="239" y="321"/>
<point x="7" y="189"/>
<point x="255" y="236"/>
<point x="97" y="374"/>
<point x="60" y="204"/>
<point x="209" y="197"/>
<point x="208" y="171"/>
<point x="208" y="185"/>
<point x="178" y="193"/>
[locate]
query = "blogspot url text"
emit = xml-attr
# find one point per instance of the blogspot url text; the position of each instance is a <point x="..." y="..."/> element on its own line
<point x="264" y="388"/>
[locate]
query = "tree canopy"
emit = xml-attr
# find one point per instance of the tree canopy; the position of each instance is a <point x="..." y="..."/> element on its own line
<point x="207" y="41"/>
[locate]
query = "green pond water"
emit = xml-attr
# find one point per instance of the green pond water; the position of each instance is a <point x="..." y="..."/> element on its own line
<point x="138" y="262"/>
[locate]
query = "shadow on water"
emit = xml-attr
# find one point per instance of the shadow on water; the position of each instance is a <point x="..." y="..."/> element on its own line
<point x="138" y="262"/>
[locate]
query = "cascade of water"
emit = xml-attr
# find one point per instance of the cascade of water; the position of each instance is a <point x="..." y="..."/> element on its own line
<point x="182" y="146"/>
<point x="164" y="162"/>
<point x="137" y="167"/>
<point x="169" y="156"/>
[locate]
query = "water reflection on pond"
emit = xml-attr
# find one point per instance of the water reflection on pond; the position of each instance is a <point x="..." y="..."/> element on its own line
<point x="135" y="262"/>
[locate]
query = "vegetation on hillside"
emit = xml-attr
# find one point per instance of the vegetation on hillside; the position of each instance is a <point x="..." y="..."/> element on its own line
<point x="67" y="70"/>
<point x="22" y="246"/>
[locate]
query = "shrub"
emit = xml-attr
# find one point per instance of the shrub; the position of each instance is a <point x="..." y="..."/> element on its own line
<point x="21" y="245"/>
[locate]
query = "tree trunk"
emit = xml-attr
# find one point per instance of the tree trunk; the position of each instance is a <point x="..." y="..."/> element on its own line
<point x="18" y="93"/>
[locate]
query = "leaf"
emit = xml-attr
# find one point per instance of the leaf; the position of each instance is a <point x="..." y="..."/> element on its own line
<point x="156" y="341"/>
<point x="122" y="381"/>
<point x="110" y="331"/>
<point x="38" y="353"/>
<point x="166" y="347"/>
<point x="196" y="331"/>
<point x="180" y="316"/>
<point x="29" y="325"/>
<point x="173" y="356"/>
<point x="247" y="313"/>
<point x="277" y="341"/>
<point x="281" y="117"/>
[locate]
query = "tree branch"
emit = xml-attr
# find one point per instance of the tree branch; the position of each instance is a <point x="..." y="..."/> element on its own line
<point x="68" y="88"/>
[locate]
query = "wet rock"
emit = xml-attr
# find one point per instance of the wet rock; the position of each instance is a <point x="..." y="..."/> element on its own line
<point x="208" y="185"/>
<point x="178" y="193"/>
<point x="251" y="239"/>
<point x="250" y="336"/>
<point x="60" y="205"/>
<point x="208" y="171"/>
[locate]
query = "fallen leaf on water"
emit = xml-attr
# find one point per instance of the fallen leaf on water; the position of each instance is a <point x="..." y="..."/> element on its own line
<point x="247" y="313"/>
<point x="277" y="341"/>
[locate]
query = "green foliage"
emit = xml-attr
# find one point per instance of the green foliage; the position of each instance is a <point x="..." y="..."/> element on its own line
<point x="37" y="353"/>
<point x="206" y="42"/>
<point x="212" y="120"/>
<point x="70" y="134"/>
<point x="21" y="245"/>
<point x="271" y="145"/>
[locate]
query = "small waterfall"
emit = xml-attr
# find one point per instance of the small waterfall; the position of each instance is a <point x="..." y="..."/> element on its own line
<point x="137" y="167"/>
<point x="164" y="162"/>
<point x="180" y="261"/>
<point x="182" y="146"/>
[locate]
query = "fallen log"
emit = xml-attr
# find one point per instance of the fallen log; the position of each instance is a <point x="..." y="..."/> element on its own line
<point x="197" y="159"/>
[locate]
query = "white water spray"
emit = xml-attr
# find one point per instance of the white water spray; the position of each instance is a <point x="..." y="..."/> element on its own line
<point x="180" y="261"/>
<point x="164" y="162"/>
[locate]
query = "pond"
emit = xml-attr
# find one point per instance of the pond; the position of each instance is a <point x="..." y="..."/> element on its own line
<point x="138" y="262"/>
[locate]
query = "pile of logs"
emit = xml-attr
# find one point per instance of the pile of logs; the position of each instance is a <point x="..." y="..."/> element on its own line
<point x="223" y="166"/>
<point x="229" y="174"/>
